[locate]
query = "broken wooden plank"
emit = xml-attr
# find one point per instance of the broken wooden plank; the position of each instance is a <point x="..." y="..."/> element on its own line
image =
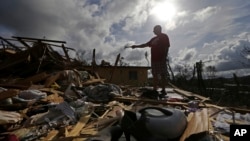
<point x="93" y="81"/>
<point x="39" y="39"/>
<point x="61" y="46"/>
<point x="106" y="121"/>
<point x="105" y="113"/>
<point x="78" y="127"/>
<point x="133" y="99"/>
<point x="54" y="45"/>
<point x="236" y="122"/>
<point x="4" y="48"/>
<point x="10" y="51"/>
<point x="89" y="131"/>
<point x="115" y="66"/>
<point x="189" y="94"/>
<point x="34" y="79"/>
<point x="239" y="110"/>
<point x="32" y="87"/>
<point x="52" y="79"/>
<point x="197" y="124"/>
<point x="93" y="63"/>
<point x="222" y="137"/>
<point x="66" y="53"/>
<point x="51" y="90"/>
<point x="24" y="43"/>
<point x="97" y="76"/>
<point x="15" y="86"/>
<point x="226" y="109"/>
<point x="12" y="45"/>
<point x="112" y="112"/>
<point x="23" y="113"/>
<point x="94" y="70"/>
<point x="51" y="135"/>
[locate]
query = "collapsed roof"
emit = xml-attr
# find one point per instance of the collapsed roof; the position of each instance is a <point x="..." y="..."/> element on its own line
<point x="35" y="55"/>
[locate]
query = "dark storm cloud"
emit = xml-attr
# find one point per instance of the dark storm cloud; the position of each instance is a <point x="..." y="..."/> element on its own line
<point x="25" y="19"/>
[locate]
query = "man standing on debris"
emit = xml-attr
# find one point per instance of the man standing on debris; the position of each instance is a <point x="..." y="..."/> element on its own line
<point x="159" y="50"/>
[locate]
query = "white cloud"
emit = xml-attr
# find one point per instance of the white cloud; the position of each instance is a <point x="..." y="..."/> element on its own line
<point x="187" y="54"/>
<point x="228" y="53"/>
<point x="205" y="13"/>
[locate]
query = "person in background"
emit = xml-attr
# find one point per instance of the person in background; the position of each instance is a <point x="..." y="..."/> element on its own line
<point x="159" y="50"/>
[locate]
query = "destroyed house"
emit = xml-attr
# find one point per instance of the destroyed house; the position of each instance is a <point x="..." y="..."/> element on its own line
<point x="47" y="96"/>
<point x="33" y="54"/>
<point x="123" y="75"/>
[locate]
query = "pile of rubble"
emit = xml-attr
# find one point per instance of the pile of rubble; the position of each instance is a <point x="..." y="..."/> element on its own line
<point x="44" y="96"/>
<point x="22" y="56"/>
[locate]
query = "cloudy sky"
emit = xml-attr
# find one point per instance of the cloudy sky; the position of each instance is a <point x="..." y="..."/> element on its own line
<point x="215" y="31"/>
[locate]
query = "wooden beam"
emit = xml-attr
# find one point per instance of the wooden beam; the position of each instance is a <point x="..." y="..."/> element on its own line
<point x="24" y="43"/>
<point x="93" y="81"/>
<point x="39" y="39"/>
<point x="46" y="43"/>
<point x="51" y="90"/>
<point x="106" y="122"/>
<point x="15" y="86"/>
<point x="93" y="64"/>
<point x="3" y="45"/>
<point x="189" y="94"/>
<point x="93" y="59"/>
<point x="34" y="79"/>
<point x="133" y="99"/>
<point x="52" y="79"/>
<point x="61" y="46"/>
<point x="239" y="110"/>
<point x="78" y="127"/>
<point x="65" y="52"/>
<point x="14" y="46"/>
<point x="51" y="135"/>
<point x="115" y="66"/>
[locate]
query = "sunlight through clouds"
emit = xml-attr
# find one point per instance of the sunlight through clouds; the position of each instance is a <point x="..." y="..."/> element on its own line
<point x="164" y="11"/>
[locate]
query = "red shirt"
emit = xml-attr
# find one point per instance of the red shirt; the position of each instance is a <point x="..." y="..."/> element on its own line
<point x="159" y="47"/>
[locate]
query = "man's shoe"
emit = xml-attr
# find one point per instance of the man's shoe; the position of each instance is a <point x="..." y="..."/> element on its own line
<point x="152" y="94"/>
<point x="162" y="96"/>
